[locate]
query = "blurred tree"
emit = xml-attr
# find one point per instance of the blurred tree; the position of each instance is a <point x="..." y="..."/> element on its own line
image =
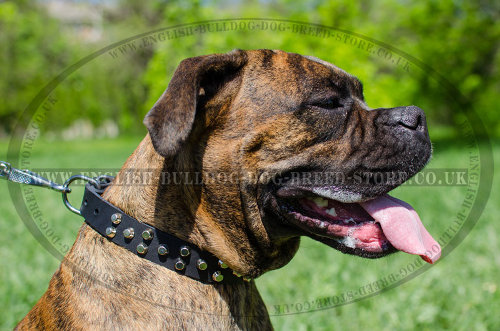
<point x="32" y="52"/>
<point x="457" y="38"/>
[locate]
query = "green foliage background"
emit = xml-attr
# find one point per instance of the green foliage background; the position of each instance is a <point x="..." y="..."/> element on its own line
<point x="458" y="39"/>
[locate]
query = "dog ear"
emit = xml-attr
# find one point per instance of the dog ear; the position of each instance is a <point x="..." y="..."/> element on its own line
<point x="171" y="119"/>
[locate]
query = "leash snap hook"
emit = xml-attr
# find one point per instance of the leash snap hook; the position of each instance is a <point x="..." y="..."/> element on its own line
<point x="28" y="177"/>
<point x="4" y="169"/>
<point x="66" y="185"/>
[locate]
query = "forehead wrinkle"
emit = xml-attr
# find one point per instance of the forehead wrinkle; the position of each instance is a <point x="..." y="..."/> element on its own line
<point x="357" y="83"/>
<point x="327" y="64"/>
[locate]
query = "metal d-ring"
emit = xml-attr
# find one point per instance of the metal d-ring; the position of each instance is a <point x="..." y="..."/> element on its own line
<point x="65" y="193"/>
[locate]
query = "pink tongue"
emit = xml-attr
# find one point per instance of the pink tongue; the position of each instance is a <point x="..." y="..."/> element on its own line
<point x="402" y="227"/>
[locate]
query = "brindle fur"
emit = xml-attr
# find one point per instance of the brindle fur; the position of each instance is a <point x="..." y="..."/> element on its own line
<point x="245" y="112"/>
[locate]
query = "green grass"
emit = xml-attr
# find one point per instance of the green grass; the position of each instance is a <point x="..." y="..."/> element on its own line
<point x="461" y="292"/>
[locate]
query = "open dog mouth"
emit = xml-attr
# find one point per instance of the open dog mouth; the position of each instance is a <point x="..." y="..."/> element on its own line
<point x="371" y="228"/>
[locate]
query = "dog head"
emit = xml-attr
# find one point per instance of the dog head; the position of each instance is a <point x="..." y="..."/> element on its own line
<point x="287" y="147"/>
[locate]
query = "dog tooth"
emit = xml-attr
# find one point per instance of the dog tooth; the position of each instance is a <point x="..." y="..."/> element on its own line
<point x="322" y="225"/>
<point x="349" y="242"/>
<point x="351" y="221"/>
<point x="320" y="202"/>
<point x="331" y="212"/>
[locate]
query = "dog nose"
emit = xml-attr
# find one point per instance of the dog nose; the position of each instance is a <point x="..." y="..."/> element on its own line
<point x="410" y="117"/>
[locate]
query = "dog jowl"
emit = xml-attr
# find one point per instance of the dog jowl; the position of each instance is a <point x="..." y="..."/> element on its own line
<point x="288" y="118"/>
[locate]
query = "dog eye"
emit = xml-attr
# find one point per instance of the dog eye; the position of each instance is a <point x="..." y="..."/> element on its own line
<point x="330" y="103"/>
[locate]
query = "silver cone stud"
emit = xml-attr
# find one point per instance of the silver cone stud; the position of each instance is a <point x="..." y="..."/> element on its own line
<point x="116" y="218"/>
<point x="128" y="233"/>
<point x="179" y="264"/>
<point x="147" y="234"/>
<point x="184" y="251"/>
<point x="217" y="276"/>
<point x="110" y="232"/>
<point x="222" y="264"/>
<point x="162" y="250"/>
<point x="142" y="248"/>
<point x="201" y="264"/>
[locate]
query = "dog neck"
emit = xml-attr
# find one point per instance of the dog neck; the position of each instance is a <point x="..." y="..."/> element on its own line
<point x="138" y="191"/>
<point x="144" y="285"/>
<point x="145" y="188"/>
<point x="158" y="298"/>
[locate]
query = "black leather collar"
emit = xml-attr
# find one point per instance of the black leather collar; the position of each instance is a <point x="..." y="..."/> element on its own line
<point x="152" y="244"/>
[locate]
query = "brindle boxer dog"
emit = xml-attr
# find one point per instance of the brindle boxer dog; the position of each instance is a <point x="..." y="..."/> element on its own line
<point x="271" y="119"/>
